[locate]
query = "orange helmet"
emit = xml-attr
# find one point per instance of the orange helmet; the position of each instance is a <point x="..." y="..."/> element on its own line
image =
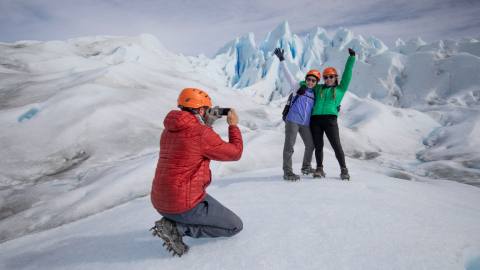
<point x="329" y="71"/>
<point x="194" y="98"/>
<point x="315" y="73"/>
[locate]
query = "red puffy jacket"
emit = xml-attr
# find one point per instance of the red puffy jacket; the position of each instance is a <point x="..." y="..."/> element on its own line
<point x="183" y="168"/>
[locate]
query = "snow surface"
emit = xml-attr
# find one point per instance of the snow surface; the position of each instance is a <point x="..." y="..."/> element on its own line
<point x="372" y="222"/>
<point x="81" y="121"/>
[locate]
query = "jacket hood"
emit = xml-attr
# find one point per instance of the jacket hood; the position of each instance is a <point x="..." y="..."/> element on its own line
<point x="179" y="120"/>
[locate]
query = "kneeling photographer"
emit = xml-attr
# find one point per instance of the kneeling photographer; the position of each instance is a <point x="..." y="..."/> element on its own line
<point x="187" y="145"/>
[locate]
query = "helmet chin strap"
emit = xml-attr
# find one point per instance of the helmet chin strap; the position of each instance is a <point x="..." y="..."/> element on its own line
<point x="201" y="119"/>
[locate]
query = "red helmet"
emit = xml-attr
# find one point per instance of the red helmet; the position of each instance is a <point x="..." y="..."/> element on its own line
<point x="330" y="71"/>
<point x="194" y="98"/>
<point x="315" y="73"/>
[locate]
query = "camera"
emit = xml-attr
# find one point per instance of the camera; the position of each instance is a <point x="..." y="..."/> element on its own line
<point x="223" y="111"/>
<point x="217" y="111"/>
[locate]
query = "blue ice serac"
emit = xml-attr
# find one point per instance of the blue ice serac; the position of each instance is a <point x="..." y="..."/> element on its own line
<point x="28" y="115"/>
<point x="251" y="63"/>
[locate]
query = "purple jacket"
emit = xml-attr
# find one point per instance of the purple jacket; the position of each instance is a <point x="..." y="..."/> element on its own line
<point x="301" y="110"/>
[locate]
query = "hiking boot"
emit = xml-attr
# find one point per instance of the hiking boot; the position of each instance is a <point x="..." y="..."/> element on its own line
<point x="167" y="231"/>
<point x="291" y="177"/>
<point x="344" y="174"/>
<point x="307" y="170"/>
<point x="319" y="173"/>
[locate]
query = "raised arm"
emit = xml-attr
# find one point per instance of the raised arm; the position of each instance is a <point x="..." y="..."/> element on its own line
<point x="347" y="71"/>
<point x="216" y="149"/>
<point x="294" y="85"/>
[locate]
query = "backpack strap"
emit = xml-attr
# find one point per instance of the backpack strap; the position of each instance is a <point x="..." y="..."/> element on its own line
<point x="294" y="99"/>
<point x="303" y="90"/>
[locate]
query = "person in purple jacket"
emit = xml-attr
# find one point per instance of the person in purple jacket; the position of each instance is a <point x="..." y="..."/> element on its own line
<point x="298" y="119"/>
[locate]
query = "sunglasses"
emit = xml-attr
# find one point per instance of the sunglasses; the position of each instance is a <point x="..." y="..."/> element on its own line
<point x="329" y="77"/>
<point x="310" y="80"/>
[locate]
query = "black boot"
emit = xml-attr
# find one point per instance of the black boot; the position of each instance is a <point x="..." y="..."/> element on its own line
<point x="290" y="176"/>
<point x="167" y="231"/>
<point x="344" y="174"/>
<point x="319" y="173"/>
<point x="307" y="170"/>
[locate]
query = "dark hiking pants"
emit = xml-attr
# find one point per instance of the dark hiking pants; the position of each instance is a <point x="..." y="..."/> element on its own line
<point x="291" y="131"/>
<point x="320" y="124"/>
<point x="208" y="219"/>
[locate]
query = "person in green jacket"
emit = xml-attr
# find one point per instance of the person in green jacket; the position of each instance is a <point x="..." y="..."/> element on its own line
<point x="325" y="112"/>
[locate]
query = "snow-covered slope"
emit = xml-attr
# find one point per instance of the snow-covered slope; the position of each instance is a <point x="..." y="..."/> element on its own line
<point x="373" y="222"/>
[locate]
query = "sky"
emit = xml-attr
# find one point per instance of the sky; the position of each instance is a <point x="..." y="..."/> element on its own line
<point x="195" y="27"/>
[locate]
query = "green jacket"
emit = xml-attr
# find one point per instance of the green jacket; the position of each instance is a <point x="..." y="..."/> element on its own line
<point x="327" y="99"/>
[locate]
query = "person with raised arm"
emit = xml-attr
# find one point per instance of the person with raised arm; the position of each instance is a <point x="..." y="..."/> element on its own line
<point x="325" y="113"/>
<point x="297" y="119"/>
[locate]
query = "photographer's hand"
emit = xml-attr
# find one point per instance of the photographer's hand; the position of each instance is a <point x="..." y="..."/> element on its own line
<point x="211" y="115"/>
<point x="232" y="118"/>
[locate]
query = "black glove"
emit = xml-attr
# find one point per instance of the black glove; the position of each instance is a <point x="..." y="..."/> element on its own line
<point x="279" y="53"/>
<point x="351" y="52"/>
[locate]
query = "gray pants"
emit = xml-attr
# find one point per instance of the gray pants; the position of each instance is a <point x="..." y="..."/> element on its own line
<point x="291" y="130"/>
<point x="208" y="219"/>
